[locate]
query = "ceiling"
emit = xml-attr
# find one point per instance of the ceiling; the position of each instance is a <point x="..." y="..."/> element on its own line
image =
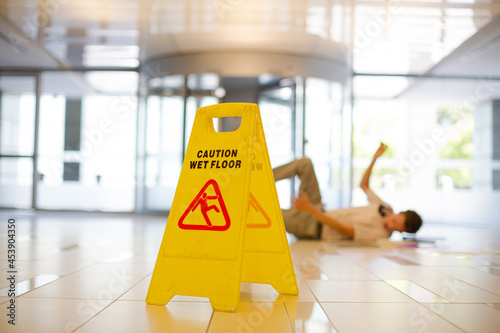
<point x="416" y="37"/>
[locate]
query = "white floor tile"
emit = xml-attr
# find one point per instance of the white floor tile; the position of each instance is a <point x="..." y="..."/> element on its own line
<point x="401" y="272"/>
<point x="489" y="285"/>
<point x="308" y="318"/>
<point x="456" y="291"/>
<point x="356" y="291"/>
<point x="348" y="272"/>
<point x="385" y="317"/>
<point x="77" y="287"/>
<point x="252" y="317"/>
<point x="467" y="274"/>
<point x="266" y="293"/>
<point x="39" y="315"/>
<point x="137" y="316"/>
<point x="415" y="291"/>
<point x="469" y="317"/>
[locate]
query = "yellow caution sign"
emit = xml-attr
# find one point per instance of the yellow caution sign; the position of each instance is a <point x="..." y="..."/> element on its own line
<point x="225" y="225"/>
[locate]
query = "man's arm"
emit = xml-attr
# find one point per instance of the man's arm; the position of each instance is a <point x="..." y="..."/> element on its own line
<point x="365" y="182"/>
<point x="303" y="204"/>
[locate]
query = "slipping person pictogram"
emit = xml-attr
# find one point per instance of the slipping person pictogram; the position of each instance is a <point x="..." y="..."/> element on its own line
<point x="201" y="201"/>
<point x="205" y="208"/>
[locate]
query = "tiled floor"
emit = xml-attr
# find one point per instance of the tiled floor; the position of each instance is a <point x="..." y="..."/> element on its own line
<point x="84" y="272"/>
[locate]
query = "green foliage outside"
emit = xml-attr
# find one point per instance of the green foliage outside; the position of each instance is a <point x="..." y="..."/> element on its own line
<point x="459" y="123"/>
<point x="391" y="125"/>
<point x="462" y="178"/>
<point x="458" y="148"/>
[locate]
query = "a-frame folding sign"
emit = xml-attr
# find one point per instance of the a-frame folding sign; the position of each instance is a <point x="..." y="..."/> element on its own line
<point x="225" y="225"/>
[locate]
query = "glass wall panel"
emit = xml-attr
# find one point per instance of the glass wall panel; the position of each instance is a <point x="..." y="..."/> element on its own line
<point x="378" y="121"/>
<point x="193" y="103"/>
<point x="16" y="182"/>
<point x="277" y="111"/>
<point x="87" y="142"/>
<point x="323" y="135"/>
<point x="165" y="129"/>
<point x="17" y="125"/>
<point x="17" y="135"/>
<point x="191" y="107"/>
<point x="164" y="150"/>
<point x="441" y="157"/>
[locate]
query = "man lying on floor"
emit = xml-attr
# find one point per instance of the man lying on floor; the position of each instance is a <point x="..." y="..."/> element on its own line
<point x="307" y="220"/>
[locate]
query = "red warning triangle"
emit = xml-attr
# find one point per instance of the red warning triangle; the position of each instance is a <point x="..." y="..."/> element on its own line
<point x="204" y="202"/>
<point x="254" y="204"/>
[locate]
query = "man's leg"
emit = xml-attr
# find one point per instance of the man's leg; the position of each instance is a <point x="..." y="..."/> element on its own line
<point x="304" y="169"/>
<point x="301" y="224"/>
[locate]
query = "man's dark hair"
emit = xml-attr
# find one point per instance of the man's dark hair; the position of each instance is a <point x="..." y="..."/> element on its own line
<point x="413" y="221"/>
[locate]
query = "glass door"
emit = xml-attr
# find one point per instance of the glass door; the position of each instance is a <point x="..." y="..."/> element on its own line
<point x="323" y="135"/>
<point x="164" y="132"/>
<point x="278" y="112"/>
<point x="171" y="107"/>
<point x="18" y="108"/>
